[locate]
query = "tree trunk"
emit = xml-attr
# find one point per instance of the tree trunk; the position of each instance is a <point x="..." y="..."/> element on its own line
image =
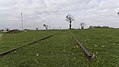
<point x="46" y="28"/>
<point x="70" y="25"/>
<point x="82" y="27"/>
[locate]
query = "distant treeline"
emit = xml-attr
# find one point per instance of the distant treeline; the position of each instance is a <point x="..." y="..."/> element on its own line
<point x="92" y="27"/>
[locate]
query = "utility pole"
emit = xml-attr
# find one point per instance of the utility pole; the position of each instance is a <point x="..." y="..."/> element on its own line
<point x="22" y="21"/>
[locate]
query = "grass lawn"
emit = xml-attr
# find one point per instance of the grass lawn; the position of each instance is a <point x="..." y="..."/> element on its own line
<point x="11" y="40"/>
<point x="104" y="43"/>
<point x="61" y="50"/>
<point x="0" y="37"/>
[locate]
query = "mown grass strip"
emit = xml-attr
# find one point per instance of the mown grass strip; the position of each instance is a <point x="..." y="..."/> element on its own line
<point x="87" y="53"/>
<point x="6" y="52"/>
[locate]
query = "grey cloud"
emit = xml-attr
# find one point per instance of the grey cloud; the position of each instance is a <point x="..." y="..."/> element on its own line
<point x="52" y="13"/>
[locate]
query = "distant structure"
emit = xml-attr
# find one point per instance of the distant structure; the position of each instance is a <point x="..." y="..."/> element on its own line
<point x="13" y="31"/>
<point x="6" y="30"/>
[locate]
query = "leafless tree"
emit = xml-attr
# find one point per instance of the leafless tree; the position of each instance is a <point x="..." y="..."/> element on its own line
<point x="70" y="19"/>
<point x="82" y="25"/>
<point x="46" y="26"/>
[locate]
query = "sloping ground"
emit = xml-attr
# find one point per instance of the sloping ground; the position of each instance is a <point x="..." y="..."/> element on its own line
<point x="61" y="50"/>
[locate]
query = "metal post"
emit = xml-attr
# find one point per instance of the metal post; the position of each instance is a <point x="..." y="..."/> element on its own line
<point x="22" y="21"/>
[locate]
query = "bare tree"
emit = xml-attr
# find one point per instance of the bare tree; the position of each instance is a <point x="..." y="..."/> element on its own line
<point x="46" y="26"/>
<point x="70" y="19"/>
<point x="82" y="25"/>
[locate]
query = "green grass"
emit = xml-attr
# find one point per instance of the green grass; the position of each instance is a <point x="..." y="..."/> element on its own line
<point x="61" y="50"/>
<point x="11" y="40"/>
<point x="104" y="43"/>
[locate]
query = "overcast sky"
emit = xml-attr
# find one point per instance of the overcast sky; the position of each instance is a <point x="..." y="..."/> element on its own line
<point x="53" y="12"/>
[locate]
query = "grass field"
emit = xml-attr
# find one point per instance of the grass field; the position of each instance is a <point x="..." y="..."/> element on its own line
<point x="0" y="37"/>
<point x="61" y="50"/>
